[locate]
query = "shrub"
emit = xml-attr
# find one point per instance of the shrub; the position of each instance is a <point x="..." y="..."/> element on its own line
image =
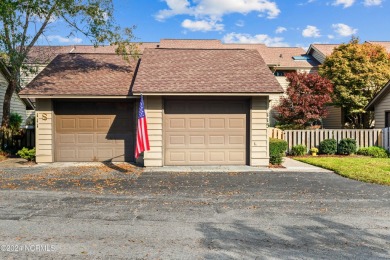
<point x="28" y="154"/>
<point x="373" y="151"/>
<point x="347" y="146"/>
<point x="328" y="146"/>
<point x="277" y="149"/>
<point x="298" y="150"/>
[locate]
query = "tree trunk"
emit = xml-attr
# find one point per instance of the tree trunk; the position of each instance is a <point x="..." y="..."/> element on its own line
<point x="7" y="103"/>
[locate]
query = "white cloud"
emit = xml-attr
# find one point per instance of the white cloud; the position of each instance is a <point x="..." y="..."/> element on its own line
<point x="311" y="31"/>
<point x="345" y="3"/>
<point x="202" y="25"/>
<point x="240" y="23"/>
<point x="307" y="2"/>
<point x="330" y="36"/>
<point x="280" y="29"/>
<point x="343" y="29"/>
<point x="372" y="2"/>
<point x="259" y="38"/>
<point x="216" y="9"/>
<point x="61" y="39"/>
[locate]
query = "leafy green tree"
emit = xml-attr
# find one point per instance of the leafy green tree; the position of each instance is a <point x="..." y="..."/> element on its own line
<point x="23" y="22"/>
<point x="358" y="72"/>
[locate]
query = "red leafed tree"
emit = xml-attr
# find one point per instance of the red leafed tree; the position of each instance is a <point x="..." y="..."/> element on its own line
<point x="306" y="100"/>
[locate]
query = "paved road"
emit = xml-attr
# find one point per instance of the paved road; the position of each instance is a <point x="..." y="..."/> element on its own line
<point x="203" y="215"/>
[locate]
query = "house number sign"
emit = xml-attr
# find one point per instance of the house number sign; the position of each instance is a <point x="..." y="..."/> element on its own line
<point x="44" y="116"/>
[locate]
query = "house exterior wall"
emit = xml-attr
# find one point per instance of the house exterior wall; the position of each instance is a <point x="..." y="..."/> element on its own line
<point x="380" y="109"/>
<point x="318" y="56"/>
<point x="334" y="118"/>
<point x="27" y="76"/>
<point x="44" y="127"/>
<point x="258" y="147"/>
<point x="258" y="143"/>
<point x="154" y="114"/>
<point x="17" y="105"/>
<point x="275" y="100"/>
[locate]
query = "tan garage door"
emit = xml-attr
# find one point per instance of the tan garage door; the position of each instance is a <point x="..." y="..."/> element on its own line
<point x="205" y="132"/>
<point x="94" y="131"/>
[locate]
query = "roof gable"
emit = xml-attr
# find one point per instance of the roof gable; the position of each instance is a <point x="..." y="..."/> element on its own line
<point x="84" y="74"/>
<point x="378" y="97"/>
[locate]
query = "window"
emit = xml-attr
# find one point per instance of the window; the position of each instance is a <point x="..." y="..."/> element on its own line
<point x="282" y="73"/>
<point x="387" y="118"/>
<point x="302" y="58"/>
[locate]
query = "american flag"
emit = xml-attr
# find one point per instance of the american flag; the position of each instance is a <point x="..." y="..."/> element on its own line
<point x="142" y="142"/>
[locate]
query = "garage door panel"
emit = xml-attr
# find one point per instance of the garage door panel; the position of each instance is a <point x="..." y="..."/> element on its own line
<point x="91" y="131"/>
<point x="103" y="124"/>
<point x="87" y="139"/>
<point x="197" y="123"/>
<point x="86" y="153"/>
<point x="68" y="123"/>
<point x="237" y="140"/>
<point x="176" y="157"/>
<point x="86" y="124"/>
<point x="217" y="156"/>
<point x="177" y="123"/>
<point x="201" y="132"/>
<point x="68" y="154"/>
<point x="236" y="156"/>
<point x="237" y="123"/>
<point x="197" y="156"/>
<point x="217" y="123"/>
<point x="67" y="139"/>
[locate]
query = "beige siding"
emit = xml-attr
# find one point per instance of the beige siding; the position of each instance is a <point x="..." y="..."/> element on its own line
<point x="275" y="100"/>
<point x="154" y="115"/>
<point x="334" y="118"/>
<point x="380" y="109"/>
<point x="258" y="132"/>
<point x="27" y="76"/>
<point x="17" y="105"/>
<point x="44" y="125"/>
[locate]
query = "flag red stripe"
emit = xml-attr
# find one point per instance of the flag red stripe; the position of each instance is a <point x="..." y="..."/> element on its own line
<point x="142" y="137"/>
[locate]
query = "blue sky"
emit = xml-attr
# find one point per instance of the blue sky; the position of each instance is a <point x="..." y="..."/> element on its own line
<point x="273" y="22"/>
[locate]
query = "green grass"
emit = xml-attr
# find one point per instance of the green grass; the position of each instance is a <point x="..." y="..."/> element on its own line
<point x="361" y="168"/>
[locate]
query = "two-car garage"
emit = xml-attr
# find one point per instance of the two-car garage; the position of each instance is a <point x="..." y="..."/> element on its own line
<point x="196" y="131"/>
<point x="203" y="107"/>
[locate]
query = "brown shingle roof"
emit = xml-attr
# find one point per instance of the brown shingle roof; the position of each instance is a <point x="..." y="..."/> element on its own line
<point x="280" y="56"/>
<point x="190" y="44"/>
<point x="283" y="57"/>
<point x="83" y="74"/>
<point x="385" y="44"/>
<point x="204" y="71"/>
<point x="44" y="54"/>
<point x="110" y="49"/>
<point x="325" y="49"/>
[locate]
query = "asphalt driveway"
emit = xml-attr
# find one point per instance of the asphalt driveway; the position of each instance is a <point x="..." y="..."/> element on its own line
<point x="288" y="215"/>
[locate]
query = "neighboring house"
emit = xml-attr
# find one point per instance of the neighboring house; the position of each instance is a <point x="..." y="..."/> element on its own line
<point x="335" y="119"/>
<point x="320" y="52"/>
<point x="385" y="44"/>
<point x="203" y="106"/>
<point x="18" y="105"/>
<point x="380" y="104"/>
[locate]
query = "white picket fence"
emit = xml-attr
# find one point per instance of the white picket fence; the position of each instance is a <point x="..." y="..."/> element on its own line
<point x="312" y="138"/>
